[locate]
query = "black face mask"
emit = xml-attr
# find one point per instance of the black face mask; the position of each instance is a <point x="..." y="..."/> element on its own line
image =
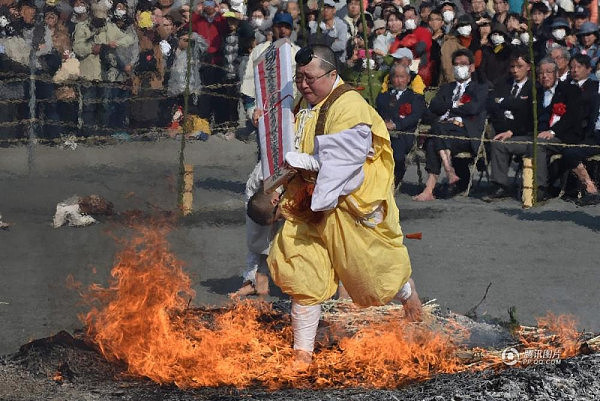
<point x="98" y="22"/>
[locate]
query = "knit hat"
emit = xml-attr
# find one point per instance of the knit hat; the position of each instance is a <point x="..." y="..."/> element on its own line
<point x="230" y="14"/>
<point x="587" y="28"/>
<point x="378" y="24"/>
<point x="283" y="18"/>
<point x="145" y="19"/>
<point x="99" y="10"/>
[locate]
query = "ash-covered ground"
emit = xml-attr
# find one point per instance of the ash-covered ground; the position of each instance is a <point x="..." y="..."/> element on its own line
<point x="66" y="368"/>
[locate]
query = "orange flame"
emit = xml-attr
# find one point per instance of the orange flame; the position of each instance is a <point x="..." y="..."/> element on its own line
<point x="558" y="333"/>
<point x="143" y="318"/>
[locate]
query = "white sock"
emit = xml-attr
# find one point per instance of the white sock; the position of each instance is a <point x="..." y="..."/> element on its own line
<point x="404" y="293"/>
<point x="305" y="321"/>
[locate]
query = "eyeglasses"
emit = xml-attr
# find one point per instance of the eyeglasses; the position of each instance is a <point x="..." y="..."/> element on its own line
<point x="309" y="80"/>
<point x="307" y="54"/>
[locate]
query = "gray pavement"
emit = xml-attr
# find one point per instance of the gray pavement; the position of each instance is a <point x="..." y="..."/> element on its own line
<point x="539" y="260"/>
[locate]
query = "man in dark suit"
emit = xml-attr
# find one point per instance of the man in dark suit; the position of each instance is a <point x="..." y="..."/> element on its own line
<point x="459" y="108"/>
<point x="580" y="69"/>
<point x="573" y="157"/>
<point x="560" y="112"/>
<point x="511" y="115"/>
<point x="401" y="110"/>
<point x="560" y="117"/>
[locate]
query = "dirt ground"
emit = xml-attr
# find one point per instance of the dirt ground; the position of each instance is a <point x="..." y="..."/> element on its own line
<point x="538" y="260"/>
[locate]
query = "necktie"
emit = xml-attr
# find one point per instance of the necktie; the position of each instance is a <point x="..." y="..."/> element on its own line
<point x="457" y="91"/>
<point x="547" y="97"/>
<point x="514" y="90"/>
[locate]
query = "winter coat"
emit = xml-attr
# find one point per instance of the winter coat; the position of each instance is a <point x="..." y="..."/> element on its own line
<point x="450" y="45"/>
<point x="179" y="68"/>
<point x="86" y="36"/>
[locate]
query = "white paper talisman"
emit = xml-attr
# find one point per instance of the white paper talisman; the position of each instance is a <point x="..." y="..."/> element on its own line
<point x="274" y="95"/>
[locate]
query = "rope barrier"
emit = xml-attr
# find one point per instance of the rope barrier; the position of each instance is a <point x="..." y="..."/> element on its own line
<point x="224" y="127"/>
<point x="487" y="140"/>
<point x="128" y="99"/>
<point x="134" y="133"/>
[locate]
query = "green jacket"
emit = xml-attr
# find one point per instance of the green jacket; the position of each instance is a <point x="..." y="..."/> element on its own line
<point x="86" y="36"/>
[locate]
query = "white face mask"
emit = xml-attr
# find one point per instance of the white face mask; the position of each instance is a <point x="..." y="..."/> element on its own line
<point x="405" y="3"/>
<point x="464" y="30"/>
<point x="410" y="24"/>
<point x="448" y="16"/>
<point x="79" y="9"/>
<point x="3" y="21"/>
<point x="559" y="34"/>
<point x="120" y="13"/>
<point x="257" y="22"/>
<point x="461" y="72"/>
<point x="497" y="39"/>
<point x="108" y="4"/>
<point x="524" y="38"/>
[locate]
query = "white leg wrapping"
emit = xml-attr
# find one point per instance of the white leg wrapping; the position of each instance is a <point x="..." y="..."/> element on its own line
<point x="249" y="273"/>
<point x="404" y="293"/>
<point x="305" y="320"/>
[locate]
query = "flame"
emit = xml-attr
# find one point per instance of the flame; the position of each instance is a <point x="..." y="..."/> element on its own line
<point x="57" y="377"/>
<point x="143" y="318"/>
<point x="556" y="333"/>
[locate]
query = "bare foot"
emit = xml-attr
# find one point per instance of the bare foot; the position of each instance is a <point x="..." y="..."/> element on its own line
<point x="424" y="197"/>
<point x="246" y="289"/>
<point x="413" y="311"/>
<point x="591" y="188"/>
<point x="452" y="177"/>
<point x="302" y="360"/>
<point x="262" y="284"/>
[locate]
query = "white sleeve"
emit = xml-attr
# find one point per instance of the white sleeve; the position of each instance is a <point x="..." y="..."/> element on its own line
<point x="254" y="181"/>
<point x="341" y="156"/>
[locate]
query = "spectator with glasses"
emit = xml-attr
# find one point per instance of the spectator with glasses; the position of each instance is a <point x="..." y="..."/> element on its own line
<point x="561" y="58"/>
<point x="341" y="217"/>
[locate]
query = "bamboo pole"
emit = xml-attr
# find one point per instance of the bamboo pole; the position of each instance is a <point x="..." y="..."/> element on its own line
<point x="534" y="103"/>
<point x="185" y="127"/>
<point x="38" y="36"/>
<point x="367" y="53"/>
<point x="321" y="5"/>
<point x="303" y="22"/>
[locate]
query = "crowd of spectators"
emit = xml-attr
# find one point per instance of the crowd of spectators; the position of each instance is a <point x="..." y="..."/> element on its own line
<point x="115" y="66"/>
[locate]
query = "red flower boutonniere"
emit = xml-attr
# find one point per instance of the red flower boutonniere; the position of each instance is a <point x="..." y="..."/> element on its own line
<point x="464" y="99"/>
<point x="149" y="57"/>
<point x="405" y="109"/>
<point x="559" y="109"/>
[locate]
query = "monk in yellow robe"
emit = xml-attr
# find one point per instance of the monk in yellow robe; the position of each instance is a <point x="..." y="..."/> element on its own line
<point x="342" y="222"/>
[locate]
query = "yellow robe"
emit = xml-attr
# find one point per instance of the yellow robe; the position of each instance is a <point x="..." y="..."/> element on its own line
<point x="308" y="256"/>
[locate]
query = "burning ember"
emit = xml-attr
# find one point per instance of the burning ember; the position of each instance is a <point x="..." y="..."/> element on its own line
<point x="143" y="318"/>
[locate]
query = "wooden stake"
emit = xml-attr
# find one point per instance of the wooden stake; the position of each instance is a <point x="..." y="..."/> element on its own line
<point x="527" y="196"/>
<point x="188" y="186"/>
